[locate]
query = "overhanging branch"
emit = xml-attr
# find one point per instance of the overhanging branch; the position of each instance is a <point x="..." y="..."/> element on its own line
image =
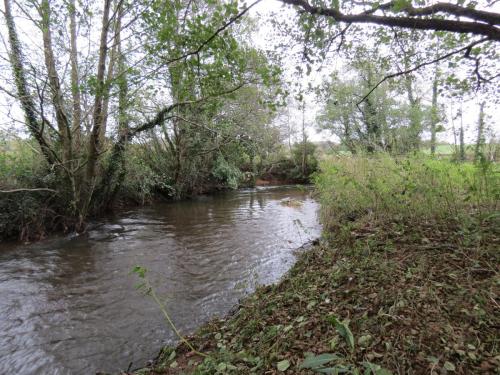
<point x="161" y="115"/>
<point x="411" y="18"/>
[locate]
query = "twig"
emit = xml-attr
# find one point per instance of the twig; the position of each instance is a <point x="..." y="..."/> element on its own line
<point x="214" y="35"/>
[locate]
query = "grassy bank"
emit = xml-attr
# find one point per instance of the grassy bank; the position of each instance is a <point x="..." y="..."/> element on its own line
<point x="406" y="281"/>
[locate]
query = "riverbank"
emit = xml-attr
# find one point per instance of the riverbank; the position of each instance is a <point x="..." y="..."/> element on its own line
<point x="406" y="280"/>
<point x="420" y="299"/>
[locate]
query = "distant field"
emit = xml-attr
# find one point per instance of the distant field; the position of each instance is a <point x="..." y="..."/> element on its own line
<point x="441" y="149"/>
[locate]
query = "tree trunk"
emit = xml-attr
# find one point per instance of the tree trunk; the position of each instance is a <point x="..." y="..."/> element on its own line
<point x="452" y="119"/>
<point x="115" y="173"/>
<point x="462" y="143"/>
<point x="63" y="124"/>
<point x="76" y="117"/>
<point x="304" y="142"/>
<point x="27" y="104"/>
<point x="97" y="117"/>
<point x="434" y="111"/>
<point x="370" y="118"/>
<point x="480" y="132"/>
<point x="415" y="123"/>
<point x="111" y="72"/>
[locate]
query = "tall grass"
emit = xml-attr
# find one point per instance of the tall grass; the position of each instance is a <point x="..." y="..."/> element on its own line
<point x="412" y="189"/>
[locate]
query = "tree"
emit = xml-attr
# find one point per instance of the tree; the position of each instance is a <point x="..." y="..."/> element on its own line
<point x="461" y="136"/>
<point x="434" y="116"/>
<point x="480" y="132"/>
<point x="379" y="123"/>
<point x="417" y="35"/>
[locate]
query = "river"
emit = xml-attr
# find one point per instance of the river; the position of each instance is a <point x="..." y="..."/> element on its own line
<point x="68" y="305"/>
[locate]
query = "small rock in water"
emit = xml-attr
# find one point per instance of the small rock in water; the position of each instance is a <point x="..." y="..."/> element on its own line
<point x="291" y="202"/>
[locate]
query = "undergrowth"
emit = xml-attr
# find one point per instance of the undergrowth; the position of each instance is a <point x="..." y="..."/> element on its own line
<point x="411" y="189"/>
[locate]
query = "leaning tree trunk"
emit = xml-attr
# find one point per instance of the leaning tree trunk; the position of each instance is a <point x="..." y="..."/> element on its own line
<point x="94" y="148"/>
<point x="63" y="124"/>
<point x="27" y="104"/>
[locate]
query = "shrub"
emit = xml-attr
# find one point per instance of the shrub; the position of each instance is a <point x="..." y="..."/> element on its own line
<point x="226" y="173"/>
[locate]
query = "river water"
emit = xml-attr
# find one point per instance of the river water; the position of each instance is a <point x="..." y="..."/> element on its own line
<point x="69" y="305"/>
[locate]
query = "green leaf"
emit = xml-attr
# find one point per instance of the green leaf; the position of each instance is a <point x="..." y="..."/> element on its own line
<point x="313" y="362"/>
<point x="339" y="369"/>
<point x="283" y="365"/>
<point x="221" y="367"/>
<point x="364" y="340"/>
<point x="449" y="366"/>
<point x="374" y="369"/>
<point x="432" y="359"/>
<point x="399" y="5"/>
<point x="139" y="271"/>
<point x="343" y="329"/>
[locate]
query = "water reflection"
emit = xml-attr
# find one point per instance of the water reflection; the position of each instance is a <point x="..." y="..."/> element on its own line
<point x="69" y="306"/>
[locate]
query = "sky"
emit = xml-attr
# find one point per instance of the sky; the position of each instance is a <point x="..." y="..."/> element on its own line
<point x="266" y="38"/>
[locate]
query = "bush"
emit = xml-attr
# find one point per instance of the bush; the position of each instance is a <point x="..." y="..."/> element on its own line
<point x="226" y="173"/>
<point x="415" y="188"/>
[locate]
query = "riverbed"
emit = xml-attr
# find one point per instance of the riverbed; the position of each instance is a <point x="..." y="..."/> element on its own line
<point x="69" y="305"/>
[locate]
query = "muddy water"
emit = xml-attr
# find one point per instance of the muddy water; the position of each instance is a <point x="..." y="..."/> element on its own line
<point x="68" y="305"/>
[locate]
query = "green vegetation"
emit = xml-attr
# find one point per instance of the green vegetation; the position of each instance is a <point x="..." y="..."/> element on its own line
<point x="33" y="204"/>
<point x="169" y="99"/>
<point x="23" y="213"/>
<point x="410" y="190"/>
<point x="406" y="279"/>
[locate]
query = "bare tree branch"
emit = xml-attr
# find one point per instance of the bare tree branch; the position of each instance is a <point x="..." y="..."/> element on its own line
<point x="27" y="190"/>
<point x="416" y="67"/>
